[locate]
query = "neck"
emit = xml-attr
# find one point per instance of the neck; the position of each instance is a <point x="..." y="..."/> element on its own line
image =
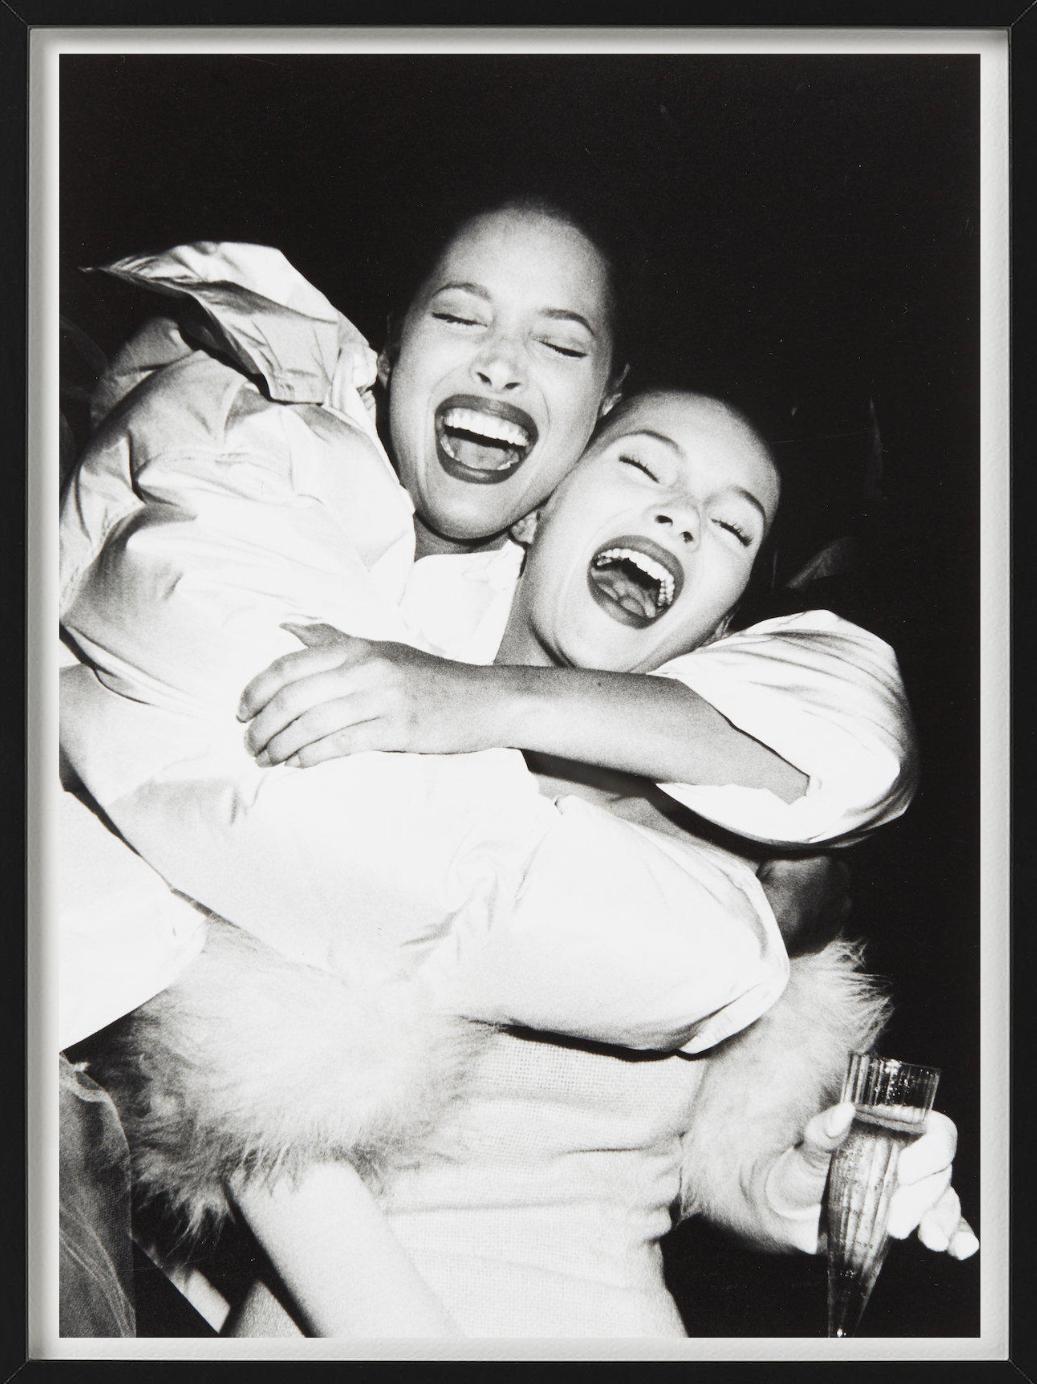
<point x="520" y="645"/>
<point x="428" y="543"/>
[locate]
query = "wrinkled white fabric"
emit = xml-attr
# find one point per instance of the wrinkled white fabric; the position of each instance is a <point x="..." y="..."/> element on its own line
<point x="209" y="509"/>
<point x="203" y="515"/>
<point x="123" y="934"/>
<point x="226" y="493"/>
<point x="825" y="695"/>
<point x="821" y="692"/>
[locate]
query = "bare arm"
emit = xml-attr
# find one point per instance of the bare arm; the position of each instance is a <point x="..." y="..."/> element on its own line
<point x="338" y="1258"/>
<point x="343" y="695"/>
<point x="638" y="724"/>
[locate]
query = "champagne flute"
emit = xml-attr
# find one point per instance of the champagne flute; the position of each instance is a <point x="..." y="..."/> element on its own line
<point x="892" y="1100"/>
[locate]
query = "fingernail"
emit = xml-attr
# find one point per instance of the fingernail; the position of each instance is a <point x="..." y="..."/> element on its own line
<point x="263" y="759"/>
<point x="294" y="762"/>
<point x="839" y="1119"/>
<point x="964" y="1246"/>
<point x="242" y="712"/>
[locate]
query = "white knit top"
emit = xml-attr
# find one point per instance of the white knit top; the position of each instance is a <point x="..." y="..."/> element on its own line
<point x="541" y="1212"/>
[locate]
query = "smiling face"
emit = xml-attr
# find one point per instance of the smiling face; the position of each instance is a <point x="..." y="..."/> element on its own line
<point x="650" y="542"/>
<point x="502" y="368"/>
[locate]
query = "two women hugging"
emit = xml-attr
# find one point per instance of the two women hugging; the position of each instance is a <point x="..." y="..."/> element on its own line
<point x="493" y="1026"/>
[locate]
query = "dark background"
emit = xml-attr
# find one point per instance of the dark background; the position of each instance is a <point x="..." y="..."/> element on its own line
<point x="802" y="235"/>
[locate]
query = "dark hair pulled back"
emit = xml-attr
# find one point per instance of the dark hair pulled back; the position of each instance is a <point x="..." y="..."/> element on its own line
<point x="417" y="252"/>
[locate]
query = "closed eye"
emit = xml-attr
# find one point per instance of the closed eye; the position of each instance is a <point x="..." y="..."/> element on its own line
<point x="744" y="537"/>
<point x="640" y="466"/>
<point x="572" y="352"/>
<point x="455" y="318"/>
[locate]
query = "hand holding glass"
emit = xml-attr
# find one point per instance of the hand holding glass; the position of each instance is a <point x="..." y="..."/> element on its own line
<point x="892" y="1101"/>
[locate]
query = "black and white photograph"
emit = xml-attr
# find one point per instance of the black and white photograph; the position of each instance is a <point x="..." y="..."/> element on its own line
<point x="517" y="873"/>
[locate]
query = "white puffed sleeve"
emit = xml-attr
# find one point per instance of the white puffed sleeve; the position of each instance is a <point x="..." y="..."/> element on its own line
<point x="122" y="935"/>
<point x="556" y="916"/>
<point x="611" y="931"/>
<point x="825" y="695"/>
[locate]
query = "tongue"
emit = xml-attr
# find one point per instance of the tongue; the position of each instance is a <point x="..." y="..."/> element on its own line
<point x="481" y="455"/>
<point x="625" y="591"/>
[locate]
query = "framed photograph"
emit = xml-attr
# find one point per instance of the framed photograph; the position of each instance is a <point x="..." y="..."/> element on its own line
<point x="320" y="322"/>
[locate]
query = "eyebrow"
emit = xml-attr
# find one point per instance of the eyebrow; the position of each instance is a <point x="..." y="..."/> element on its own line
<point x="739" y="490"/>
<point x="751" y="498"/>
<point x="555" y="314"/>
<point x="567" y="315"/>
<point x="658" y="437"/>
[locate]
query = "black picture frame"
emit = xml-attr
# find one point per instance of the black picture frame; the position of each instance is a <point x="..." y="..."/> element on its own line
<point x="1020" y="22"/>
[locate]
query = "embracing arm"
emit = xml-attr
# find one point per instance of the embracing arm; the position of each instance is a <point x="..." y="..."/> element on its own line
<point x="794" y="733"/>
<point x="338" y="1258"/>
<point x="342" y="695"/>
<point x="654" y="727"/>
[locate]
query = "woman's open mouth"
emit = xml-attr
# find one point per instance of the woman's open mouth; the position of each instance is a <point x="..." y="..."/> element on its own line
<point x="482" y="440"/>
<point x="634" y="580"/>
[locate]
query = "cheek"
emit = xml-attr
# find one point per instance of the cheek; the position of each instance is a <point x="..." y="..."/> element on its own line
<point x="735" y="587"/>
<point x="574" y="397"/>
<point x="579" y="409"/>
<point x="422" y="358"/>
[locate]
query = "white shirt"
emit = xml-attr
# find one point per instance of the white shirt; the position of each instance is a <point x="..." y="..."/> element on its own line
<point x="205" y="514"/>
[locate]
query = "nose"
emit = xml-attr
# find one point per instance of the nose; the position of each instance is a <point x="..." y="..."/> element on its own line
<point x="500" y="365"/>
<point x="681" y="518"/>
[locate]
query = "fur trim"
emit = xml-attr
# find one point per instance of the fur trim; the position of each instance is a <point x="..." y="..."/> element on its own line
<point x="761" y="1087"/>
<point x="252" y="1063"/>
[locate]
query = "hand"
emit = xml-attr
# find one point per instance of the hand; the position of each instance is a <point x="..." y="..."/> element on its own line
<point x="341" y="695"/>
<point x="810" y="897"/>
<point x="924" y="1199"/>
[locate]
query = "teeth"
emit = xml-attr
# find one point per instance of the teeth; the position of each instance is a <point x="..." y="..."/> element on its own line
<point x="655" y="570"/>
<point x="486" y="425"/>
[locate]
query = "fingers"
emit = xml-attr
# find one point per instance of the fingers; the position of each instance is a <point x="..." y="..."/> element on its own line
<point x="924" y="1197"/>
<point x="317" y="724"/>
<point x="931" y="1153"/>
<point x="825" y="1132"/>
<point x="328" y="688"/>
<point x="915" y="1204"/>
<point x="802" y="1171"/>
<point x="313" y="636"/>
<point x="940" y="1221"/>
<point x="367" y="735"/>
<point x="284" y="671"/>
<point x="964" y="1243"/>
<point x="944" y="1229"/>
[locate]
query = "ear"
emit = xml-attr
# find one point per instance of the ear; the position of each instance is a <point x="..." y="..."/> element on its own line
<point x="610" y="399"/>
<point x="523" y="531"/>
<point x="384" y="368"/>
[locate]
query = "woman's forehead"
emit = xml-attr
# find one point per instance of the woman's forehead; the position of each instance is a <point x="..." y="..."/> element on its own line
<point x="698" y="431"/>
<point x="538" y="249"/>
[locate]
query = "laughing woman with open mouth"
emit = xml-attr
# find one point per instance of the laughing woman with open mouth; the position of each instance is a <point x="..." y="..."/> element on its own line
<point x="236" y="485"/>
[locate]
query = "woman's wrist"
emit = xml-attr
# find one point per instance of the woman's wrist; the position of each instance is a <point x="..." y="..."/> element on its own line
<point x="509" y="701"/>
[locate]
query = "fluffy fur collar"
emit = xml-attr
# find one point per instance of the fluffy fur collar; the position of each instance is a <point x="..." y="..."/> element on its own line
<point x="762" y="1086"/>
<point x="253" y="1062"/>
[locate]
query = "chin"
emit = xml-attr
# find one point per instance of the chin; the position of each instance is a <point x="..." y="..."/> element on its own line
<point x="595" y="653"/>
<point x="467" y="527"/>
